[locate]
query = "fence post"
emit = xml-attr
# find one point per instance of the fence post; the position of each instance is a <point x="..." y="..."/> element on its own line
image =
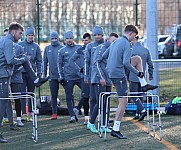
<point x="38" y="29"/>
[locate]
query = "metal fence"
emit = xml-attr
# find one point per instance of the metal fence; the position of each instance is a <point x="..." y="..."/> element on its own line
<point x="169" y="78"/>
<point x="169" y="71"/>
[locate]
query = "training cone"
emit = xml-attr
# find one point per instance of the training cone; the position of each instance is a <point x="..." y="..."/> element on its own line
<point x="26" y="109"/>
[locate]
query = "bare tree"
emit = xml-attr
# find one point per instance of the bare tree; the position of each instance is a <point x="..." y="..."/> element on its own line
<point x="63" y="16"/>
<point x="57" y="11"/>
<point x="78" y="23"/>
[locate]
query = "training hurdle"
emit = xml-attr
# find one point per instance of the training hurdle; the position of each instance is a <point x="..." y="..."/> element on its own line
<point x="130" y="95"/>
<point x="32" y="96"/>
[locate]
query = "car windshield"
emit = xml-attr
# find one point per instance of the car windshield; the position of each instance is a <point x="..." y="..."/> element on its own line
<point x="162" y="39"/>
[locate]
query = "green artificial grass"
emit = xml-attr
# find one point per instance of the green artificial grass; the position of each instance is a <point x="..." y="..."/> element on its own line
<point x="61" y="135"/>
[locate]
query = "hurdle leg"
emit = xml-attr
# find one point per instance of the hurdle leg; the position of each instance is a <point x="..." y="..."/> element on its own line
<point x="106" y="117"/>
<point x="153" y="119"/>
<point x="99" y="115"/>
<point x="36" y="123"/>
<point x="148" y="115"/>
<point x="34" y="118"/>
<point x="159" y="118"/>
<point x="102" y="111"/>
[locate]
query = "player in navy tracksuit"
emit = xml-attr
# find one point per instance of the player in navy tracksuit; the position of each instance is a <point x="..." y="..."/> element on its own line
<point x="32" y="49"/>
<point x="85" y="91"/>
<point x="88" y="57"/>
<point x="119" y="58"/>
<point x="100" y="81"/>
<point x="68" y="78"/>
<point x="50" y="62"/>
<point x="143" y="52"/>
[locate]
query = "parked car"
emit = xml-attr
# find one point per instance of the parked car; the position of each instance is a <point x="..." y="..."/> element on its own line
<point x="169" y="47"/>
<point x="172" y="47"/>
<point x="179" y="42"/>
<point x="161" y="44"/>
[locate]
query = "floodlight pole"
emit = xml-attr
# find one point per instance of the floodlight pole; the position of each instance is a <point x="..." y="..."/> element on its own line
<point x="152" y="37"/>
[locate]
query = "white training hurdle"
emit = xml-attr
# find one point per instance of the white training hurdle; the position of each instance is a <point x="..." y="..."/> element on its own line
<point x="32" y="96"/>
<point x="130" y="94"/>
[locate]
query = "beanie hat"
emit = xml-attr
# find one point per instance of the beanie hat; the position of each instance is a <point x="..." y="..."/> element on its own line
<point x="30" y="30"/>
<point x="97" y="30"/>
<point x="69" y="34"/>
<point x="54" y="35"/>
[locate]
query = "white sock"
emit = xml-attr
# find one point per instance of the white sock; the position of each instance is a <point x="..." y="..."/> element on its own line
<point x="86" y="117"/>
<point x="18" y="118"/>
<point x="142" y="81"/>
<point x="116" y="125"/>
<point x="36" y="81"/>
<point x="143" y="111"/>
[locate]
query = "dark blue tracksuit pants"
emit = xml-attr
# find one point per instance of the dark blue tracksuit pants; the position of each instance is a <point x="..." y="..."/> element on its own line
<point x="28" y="82"/>
<point x="4" y="93"/>
<point x="69" y="93"/>
<point x="54" y="87"/>
<point x="98" y="89"/>
<point x="136" y="87"/>
<point x="85" y="92"/>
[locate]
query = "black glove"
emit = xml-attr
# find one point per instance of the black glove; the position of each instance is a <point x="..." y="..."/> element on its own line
<point x="81" y="70"/>
<point x="140" y="74"/>
<point x="62" y="82"/>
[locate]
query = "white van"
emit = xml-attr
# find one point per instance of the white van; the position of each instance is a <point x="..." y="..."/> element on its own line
<point x="161" y="44"/>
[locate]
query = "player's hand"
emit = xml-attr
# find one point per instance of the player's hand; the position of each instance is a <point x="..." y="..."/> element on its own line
<point x="86" y="81"/>
<point x="62" y="82"/>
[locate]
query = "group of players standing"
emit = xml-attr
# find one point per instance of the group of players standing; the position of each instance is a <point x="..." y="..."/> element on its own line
<point x="93" y="67"/>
